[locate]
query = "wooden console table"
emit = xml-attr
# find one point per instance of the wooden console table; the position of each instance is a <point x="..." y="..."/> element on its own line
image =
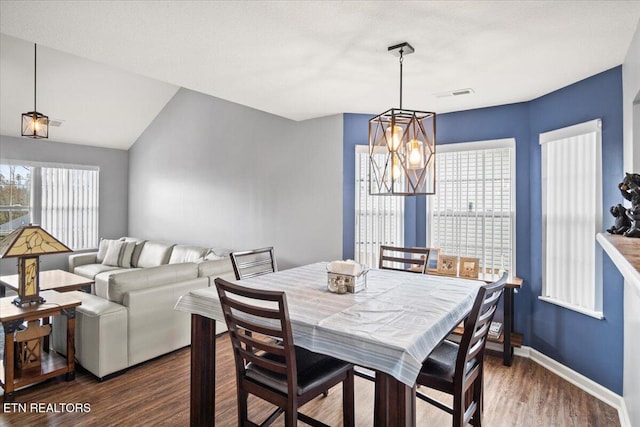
<point x="508" y="339"/>
<point x="51" y="364"/>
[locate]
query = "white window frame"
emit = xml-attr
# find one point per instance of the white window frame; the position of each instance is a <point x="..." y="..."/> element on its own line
<point x="36" y="189"/>
<point x="509" y="143"/>
<point x="395" y="203"/>
<point x="549" y="138"/>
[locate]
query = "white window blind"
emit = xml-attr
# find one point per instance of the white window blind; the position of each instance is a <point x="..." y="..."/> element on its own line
<point x="69" y="205"/>
<point x="379" y="219"/>
<point x="472" y="213"/>
<point x="572" y="216"/>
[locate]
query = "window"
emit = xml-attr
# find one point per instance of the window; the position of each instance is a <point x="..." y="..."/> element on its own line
<point x="472" y="213"/>
<point x="379" y="219"/>
<point x="15" y="197"/>
<point x="63" y="199"/>
<point x="571" y="217"/>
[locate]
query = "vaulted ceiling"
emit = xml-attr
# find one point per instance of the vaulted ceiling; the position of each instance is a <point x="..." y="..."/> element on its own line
<point x="107" y="68"/>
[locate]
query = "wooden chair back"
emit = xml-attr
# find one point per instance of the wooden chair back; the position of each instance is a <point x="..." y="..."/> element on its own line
<point x="255" y="262"/>
<point x="476" y="330"/>
<point x="404" y="259"/>
<point x="259" y="326"/>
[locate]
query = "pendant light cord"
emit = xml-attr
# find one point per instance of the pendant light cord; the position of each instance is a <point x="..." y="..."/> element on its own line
<point x="35" y="71"/>
<point x="401" y="60"/>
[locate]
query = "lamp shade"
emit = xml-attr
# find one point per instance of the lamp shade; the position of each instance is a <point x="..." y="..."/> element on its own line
<point x="30" y="240"/>
<point x="27" y="243"/>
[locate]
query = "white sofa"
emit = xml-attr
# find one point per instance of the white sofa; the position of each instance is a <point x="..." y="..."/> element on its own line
<point x="129" y="317"/>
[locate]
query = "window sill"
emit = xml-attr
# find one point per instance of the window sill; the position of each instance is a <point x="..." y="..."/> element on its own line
<point x="591" y="313"/>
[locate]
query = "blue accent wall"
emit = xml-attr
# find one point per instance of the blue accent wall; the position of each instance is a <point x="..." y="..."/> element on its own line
<point x="591" y="347"/>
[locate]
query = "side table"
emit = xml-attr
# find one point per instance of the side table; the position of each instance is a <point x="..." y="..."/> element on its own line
<point x="51" y="364"/>
<point x="59" y="280"/>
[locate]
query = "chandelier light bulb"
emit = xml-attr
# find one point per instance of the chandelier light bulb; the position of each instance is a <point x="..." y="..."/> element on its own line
<point x="395" y="171"/>
<point x="414" y="148"/>
<point x="394" y="137"/>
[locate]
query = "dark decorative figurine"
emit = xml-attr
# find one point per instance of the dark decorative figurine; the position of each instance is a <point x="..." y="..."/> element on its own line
<point x="622" y="223"/>
<point x="630" y="189"/>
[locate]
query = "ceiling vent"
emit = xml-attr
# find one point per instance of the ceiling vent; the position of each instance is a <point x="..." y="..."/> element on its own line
<point x="55" y="123"/>
<point x="457" y="92"/>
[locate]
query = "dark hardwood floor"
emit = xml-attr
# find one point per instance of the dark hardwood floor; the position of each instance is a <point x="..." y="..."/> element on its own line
<point x="156" y="393"/>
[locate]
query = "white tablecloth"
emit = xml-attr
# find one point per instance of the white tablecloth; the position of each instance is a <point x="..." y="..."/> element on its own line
<point x="392" y="326"/>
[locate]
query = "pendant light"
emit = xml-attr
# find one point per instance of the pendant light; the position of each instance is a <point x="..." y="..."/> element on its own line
<point x="34" y="124"/>
<point x="402" y="147"/>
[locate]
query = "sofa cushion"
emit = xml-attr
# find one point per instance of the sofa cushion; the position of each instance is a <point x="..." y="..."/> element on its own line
<point x="91" y="270"/>
<point x="154" y="254"/>
<point x="181" y="254"/>
<point x="102" y="249"/>
<point x="220" y="252"/>
<point x="123" y="283"/>
<point x="211" y="256"/>
<point x="101" y="285"/>
<point x="119" y="254"/>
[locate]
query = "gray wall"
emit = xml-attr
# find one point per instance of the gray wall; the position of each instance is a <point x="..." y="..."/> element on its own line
<point x="214" y="173"/>
<point x="114" y="171"/>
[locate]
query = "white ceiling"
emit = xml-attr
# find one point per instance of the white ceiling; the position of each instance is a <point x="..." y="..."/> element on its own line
<point x="304" y="59"/>
<point x="98" y="104"/>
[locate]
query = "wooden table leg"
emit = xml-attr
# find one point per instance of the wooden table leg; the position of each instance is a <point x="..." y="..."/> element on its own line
<point x="71" y="338"/>
<point x="203" y="371"/>
<point x="507" y="349"/>
<point x="45" y="339"/>
<point x="9" y="361"/>
<point x="395" y="403"/>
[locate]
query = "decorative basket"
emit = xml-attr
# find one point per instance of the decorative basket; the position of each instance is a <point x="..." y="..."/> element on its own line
<point x="343" y="283"/>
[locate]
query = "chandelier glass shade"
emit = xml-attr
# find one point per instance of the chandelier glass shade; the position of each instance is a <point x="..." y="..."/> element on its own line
<point x="35" y="125"/>
<point x="402" y="148"/>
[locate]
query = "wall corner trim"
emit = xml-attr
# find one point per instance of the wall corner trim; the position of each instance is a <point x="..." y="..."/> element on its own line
<point x="593" y="388"/>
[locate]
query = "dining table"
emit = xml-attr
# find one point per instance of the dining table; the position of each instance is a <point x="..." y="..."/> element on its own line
<point x="390" y="327"/>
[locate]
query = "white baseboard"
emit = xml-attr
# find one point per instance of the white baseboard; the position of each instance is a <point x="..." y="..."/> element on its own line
<point x="579" y="380"/>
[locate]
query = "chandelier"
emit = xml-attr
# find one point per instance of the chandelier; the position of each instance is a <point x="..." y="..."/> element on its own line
<point x="402" y="147"/>
<point x="34" y="124"/>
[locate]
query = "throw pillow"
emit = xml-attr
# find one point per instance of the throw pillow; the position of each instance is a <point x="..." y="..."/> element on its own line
<point x="136" y="253"/>
<point x="102" y="249"/>
<point x="119" y="254"/>
<point x="126" y="255"/>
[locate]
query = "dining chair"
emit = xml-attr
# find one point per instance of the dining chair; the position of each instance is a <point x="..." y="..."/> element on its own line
<point x="391" y="256"/>
<point x="256" y="262"/>
<point x="253" y="263"/>
<point x="457" y="369"/>
<point x="269" y="366"/>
